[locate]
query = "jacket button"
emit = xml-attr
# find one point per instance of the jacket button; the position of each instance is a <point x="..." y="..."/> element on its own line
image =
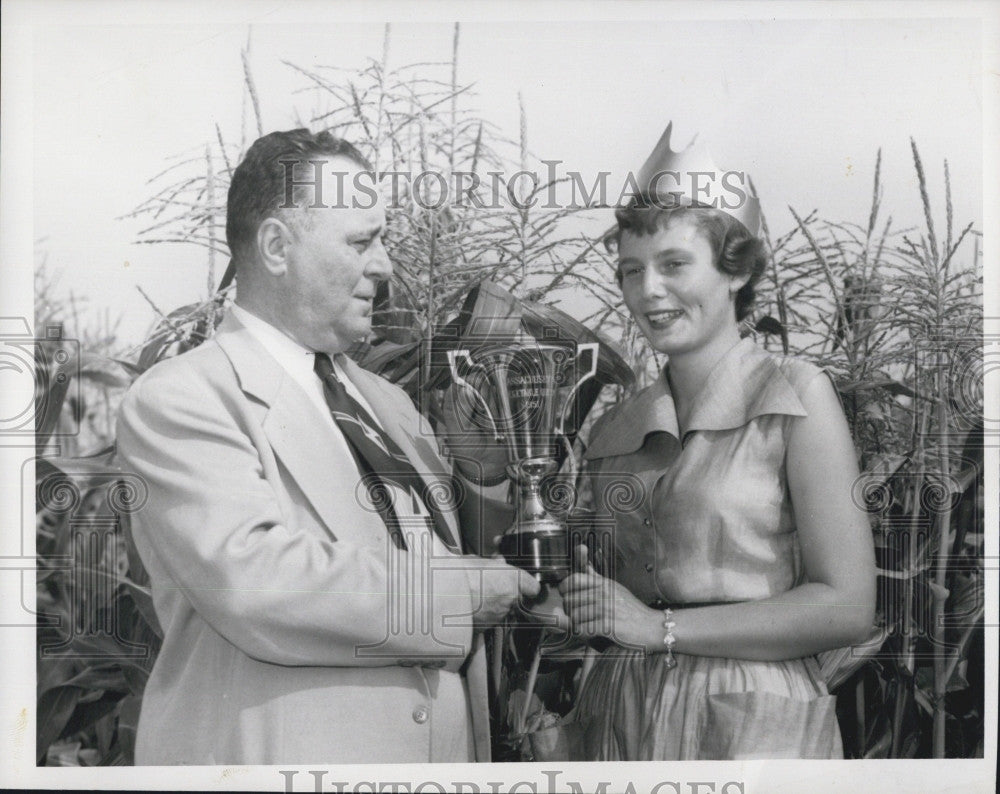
<point x="649" y="567"/>
<point x="421" y="715"/>
<point x="647" y="522"/>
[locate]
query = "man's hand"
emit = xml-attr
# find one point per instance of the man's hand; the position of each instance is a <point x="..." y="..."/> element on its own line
<point x="496" y="587"/>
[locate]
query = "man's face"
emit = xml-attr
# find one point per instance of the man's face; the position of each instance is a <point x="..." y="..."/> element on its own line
<point x="335" y="261"/>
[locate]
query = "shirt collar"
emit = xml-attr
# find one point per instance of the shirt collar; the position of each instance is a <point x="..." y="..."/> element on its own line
<point x="290" y="354"/>
<point x="745" y="383"/>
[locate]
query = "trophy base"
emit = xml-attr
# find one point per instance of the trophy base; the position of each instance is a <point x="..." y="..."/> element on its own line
<point x="542" y="551"/>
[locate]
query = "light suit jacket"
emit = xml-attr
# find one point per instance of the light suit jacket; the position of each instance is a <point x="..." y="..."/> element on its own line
<point x="288" y="636"/>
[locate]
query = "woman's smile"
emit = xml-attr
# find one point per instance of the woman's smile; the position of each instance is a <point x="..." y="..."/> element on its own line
<point x="663" y="319"/>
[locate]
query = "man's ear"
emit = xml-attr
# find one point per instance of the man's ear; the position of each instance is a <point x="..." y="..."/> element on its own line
<point x="273" y="240"/>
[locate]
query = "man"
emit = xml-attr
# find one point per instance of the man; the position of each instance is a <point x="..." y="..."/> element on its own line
<point x="305" y="620"/>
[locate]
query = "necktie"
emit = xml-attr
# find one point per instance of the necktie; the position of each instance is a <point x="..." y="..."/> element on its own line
<point x="376" y="454"/>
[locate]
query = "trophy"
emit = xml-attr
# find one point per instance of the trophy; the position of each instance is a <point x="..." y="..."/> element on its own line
<point x="523" y="392"/>
<point x="525" y="375"/>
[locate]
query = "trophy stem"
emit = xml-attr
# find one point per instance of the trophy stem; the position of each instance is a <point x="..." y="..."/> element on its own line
<point x="537" y="541"/>
<point x="528" y="474"/>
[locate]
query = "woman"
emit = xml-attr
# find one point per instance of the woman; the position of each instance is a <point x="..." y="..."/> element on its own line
<point x="745" y="555"/>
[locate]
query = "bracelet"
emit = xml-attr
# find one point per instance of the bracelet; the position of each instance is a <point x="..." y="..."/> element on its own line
<point x="669" y="624"/>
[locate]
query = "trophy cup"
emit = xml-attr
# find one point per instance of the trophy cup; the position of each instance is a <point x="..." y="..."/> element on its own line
<point x="523" y="391"/>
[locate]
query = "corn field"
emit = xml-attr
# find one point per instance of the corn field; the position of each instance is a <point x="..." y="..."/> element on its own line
<point x="894" y="314"/>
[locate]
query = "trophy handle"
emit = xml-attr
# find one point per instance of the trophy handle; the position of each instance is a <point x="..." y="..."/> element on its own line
<point x="583" y="347"/>
<point x="453" y="358"/>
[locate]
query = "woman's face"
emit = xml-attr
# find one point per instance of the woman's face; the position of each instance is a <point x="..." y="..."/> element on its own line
<point x="680" y="300"/>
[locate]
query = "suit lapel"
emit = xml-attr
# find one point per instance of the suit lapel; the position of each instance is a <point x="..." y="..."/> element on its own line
<point x="298" y="436"/>
<point x="293" y="426"/>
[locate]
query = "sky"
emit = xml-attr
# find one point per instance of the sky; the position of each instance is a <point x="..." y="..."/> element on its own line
<point x="803" y="105"/>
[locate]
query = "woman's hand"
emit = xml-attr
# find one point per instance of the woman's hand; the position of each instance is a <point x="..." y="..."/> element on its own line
<point x="601" y="607"/>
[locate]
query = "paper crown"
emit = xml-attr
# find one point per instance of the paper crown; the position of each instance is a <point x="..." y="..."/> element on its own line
<point x="690" y="177"/>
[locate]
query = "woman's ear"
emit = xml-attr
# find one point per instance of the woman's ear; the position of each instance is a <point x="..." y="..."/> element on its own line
<point x="736" y="283"/>
<point x="274" y="238"/>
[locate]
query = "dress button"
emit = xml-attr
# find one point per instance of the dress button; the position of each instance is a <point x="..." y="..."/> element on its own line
<point x="647" y="522"/>
<point x="421" y="715"/>
<point x="649" y="567"/>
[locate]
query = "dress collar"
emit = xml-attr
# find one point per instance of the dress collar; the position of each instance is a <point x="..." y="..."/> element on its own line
<point x="745" y="383"/>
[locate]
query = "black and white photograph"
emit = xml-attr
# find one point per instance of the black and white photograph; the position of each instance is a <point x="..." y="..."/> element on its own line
<point x="554" y="397"/>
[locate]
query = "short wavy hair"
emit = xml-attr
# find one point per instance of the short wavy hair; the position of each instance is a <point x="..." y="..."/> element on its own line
<point x="257" y="189"/>
<point x="736" y="251"/>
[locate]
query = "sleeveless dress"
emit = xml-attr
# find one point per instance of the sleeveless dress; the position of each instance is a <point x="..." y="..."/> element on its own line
<point x="698" y="520"/>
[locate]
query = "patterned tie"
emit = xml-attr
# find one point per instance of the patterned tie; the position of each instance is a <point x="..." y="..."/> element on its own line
<point x="376" y="455"/>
